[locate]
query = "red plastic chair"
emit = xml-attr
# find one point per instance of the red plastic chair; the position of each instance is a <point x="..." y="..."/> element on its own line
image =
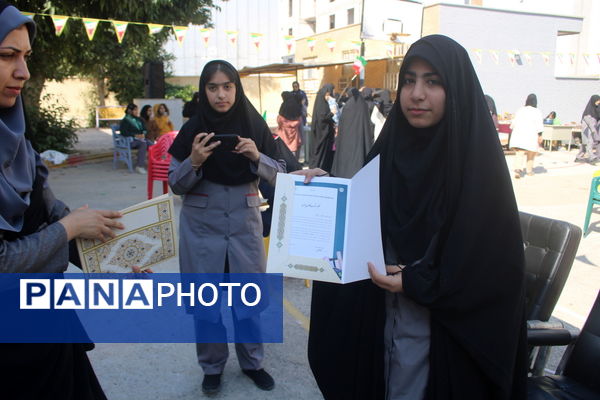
<point x="158" y="162"/>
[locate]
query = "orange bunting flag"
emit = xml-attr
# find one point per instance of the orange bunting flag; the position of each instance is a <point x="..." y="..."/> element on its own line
<point x="330" y="44"/>
<point x="231" y="36"/>
<point x="90" y="26"/>
<point x="120" y="28"/>
<point x="180" y="32"/>
<point x="205" y="34"/>
<point x="256" y="37"/>
<point x="289" y="42"/>
<point x="59" y="23"/>
<point x="154" y="28"/>
<point x="311" y="43"/>
<point x="28" y="14"/>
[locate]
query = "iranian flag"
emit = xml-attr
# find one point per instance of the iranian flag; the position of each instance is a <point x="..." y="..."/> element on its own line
<point x="359" y="64"/>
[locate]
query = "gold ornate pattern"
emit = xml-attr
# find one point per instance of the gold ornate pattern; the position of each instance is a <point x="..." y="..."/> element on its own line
<point x="143" y="247"/>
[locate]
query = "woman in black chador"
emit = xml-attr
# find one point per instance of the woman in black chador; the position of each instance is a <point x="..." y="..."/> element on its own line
<point x="322" y="131"/>
<point x="355" y="137"/>
<point x="450" y="323"/>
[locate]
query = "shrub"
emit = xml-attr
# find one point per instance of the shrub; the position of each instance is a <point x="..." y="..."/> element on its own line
<point x="184" y="93"/>
<point x="47" y="129"/>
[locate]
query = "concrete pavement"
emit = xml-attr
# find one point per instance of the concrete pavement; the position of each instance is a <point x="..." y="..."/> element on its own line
<point x="167" y="371"/>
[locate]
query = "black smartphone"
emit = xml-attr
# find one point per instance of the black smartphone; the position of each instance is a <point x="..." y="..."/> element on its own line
<point x="228" y="141"/>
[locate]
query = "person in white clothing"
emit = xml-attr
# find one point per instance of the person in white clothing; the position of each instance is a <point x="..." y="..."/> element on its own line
<point x="526" y="125"/>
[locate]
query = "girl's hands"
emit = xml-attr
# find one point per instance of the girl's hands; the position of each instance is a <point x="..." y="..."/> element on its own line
<point x="91" y="224"/>
<point x="247" y="147"/>
<point x="391" y="282"/>
<point x="200" y="150"/>
<point x="310" y="173"/>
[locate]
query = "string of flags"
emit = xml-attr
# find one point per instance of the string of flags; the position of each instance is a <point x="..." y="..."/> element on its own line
<point x="514" y="57"/>
<point x="526" y="57"/>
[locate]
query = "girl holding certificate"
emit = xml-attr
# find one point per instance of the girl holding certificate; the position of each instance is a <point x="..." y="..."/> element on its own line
<point x="220" y="225"/>
<point x="450" y="321"/>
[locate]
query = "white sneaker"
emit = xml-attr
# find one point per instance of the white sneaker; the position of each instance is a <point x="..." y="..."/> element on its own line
<point x="140" y="170"/>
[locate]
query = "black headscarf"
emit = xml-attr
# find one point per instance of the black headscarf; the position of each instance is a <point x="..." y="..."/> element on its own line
<point x="291" y="107"/>
<point x="322" y="131"/>
<point x="592" y="109"/>
<point x="384" y="101"/>
<point x="531" y="100"/>
<point x="491" y="104"/>
<point x="242" y="119"/>
<point x="449" y="212"/>
<point x="354" y="139"/>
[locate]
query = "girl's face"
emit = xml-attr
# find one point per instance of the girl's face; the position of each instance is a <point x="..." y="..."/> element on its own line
<point x="162" y="110"/>
<point x="14" y="51"/>
<point x="422" y="95"/>
<point x="135" y="112"/>
<point x="220" y="91"/>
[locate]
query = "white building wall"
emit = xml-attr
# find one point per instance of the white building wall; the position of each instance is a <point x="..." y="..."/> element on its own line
<point x="509" y="85"/>
<point x="244" y="16"/>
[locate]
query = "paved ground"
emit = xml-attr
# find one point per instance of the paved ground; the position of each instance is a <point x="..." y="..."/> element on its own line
<point x="168" y="371"/>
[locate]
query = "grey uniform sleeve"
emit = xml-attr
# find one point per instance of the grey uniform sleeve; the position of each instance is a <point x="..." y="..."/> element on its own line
<point x="591" y="123"/>
<point x="182" y="177"/>
<point x="267" y="168"/>
<point x="43" y="251"/>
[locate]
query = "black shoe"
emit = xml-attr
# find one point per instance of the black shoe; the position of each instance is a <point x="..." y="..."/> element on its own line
<point x="211" y="384"/>
<point x="261" y="378"/>
<point x="593" y="161"/>
<point x="580" y="160"/>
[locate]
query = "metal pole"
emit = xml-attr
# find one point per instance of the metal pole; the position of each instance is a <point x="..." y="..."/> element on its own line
<point x="361" y="78"/>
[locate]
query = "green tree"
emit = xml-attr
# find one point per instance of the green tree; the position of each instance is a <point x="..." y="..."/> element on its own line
<point x="111" y="65"/>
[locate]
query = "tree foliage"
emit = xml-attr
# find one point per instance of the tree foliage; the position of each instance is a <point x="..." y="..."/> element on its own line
<point x="103" y="59"/>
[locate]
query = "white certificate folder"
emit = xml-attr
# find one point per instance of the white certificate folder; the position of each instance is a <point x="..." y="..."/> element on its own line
<point x="328" y="229"/>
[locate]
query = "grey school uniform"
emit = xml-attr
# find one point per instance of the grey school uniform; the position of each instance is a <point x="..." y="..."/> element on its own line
<point x="406" y="339"/>
<point x="220" y="222"/>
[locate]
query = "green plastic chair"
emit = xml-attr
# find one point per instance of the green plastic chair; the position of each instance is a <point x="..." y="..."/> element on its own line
<point x="594" y="199"/>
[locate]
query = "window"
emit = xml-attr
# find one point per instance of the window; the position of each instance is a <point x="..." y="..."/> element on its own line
<point x="290" y="7"/>
<point x="332" y="21"/>
<point x="290" y="32"/>
<point x="350" y="16"/>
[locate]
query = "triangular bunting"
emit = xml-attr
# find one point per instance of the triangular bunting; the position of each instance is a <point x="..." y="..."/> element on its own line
<point x="528" y="59"/>
<point x="311" y="43"/>
<point x="205" y="34"/>
<point x="330" y="44"/>
<point x="586" y="58"/>
<point x="546" y="57"/>
<point x="231" y="36"/>
<point x="28" y="14"/>
<point x="572" y="58"/>
<point x="289" y="42"/>
<point x="389" y="50"/>
<point x="59" y="23"/>
<point x="356" y="45"/>
<point x="90" y="26"/>
<point x="180" y="32"/>
<point x="495" y="56"/>
<point x="256" y="37"/>
<point x="154" y="28"/>
<point x="478" y="55"/>
<point x="120" y="28"/>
